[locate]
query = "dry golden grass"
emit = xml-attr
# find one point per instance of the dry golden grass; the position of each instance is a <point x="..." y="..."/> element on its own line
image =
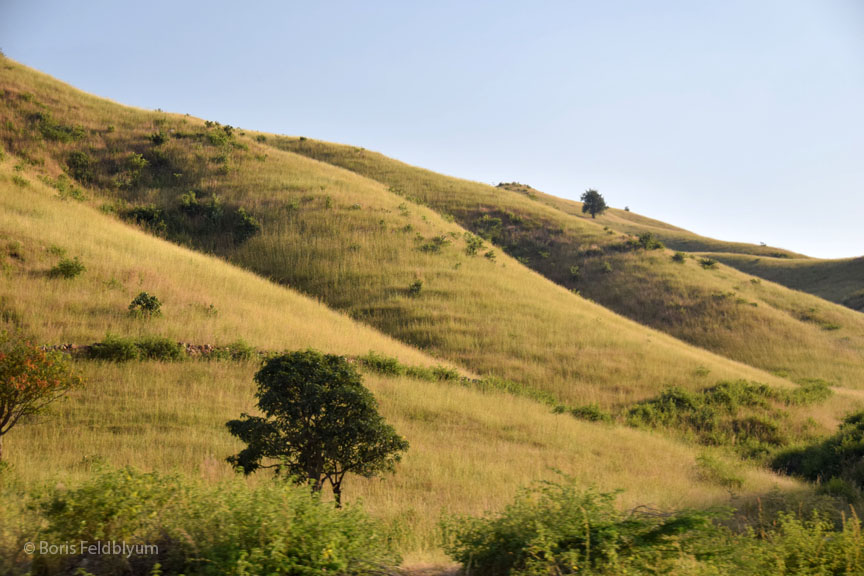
<point x="764" y="325"/>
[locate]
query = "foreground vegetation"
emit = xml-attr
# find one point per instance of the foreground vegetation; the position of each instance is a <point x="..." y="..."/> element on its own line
<point x="557" y="529"/>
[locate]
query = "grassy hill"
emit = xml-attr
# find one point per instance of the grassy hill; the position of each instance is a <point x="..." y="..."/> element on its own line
<point x="840" y="281"/>
<point x="692" y="298"/>
<point x="470" y="450"/>
<point x="356" y="245"/>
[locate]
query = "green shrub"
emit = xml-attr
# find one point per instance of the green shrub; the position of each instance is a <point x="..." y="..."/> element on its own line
<point x="68" y="268"/>
<point x="839" y="456"/>
<point x="591" y="413"/>
<point x="557" y="529"/>
<point x="708" y="263"/>
<point x="738" y="414"/>
<point x="381" y="364"/>
<point x="679" y="257"/>
<point x="145" y="305"/>
<point x="649" y="241"/>
<point x="115" y="349"/>
<point x="472" y="244"/>
<point x="148" y="216"/>
<point x="159" y="348"/>
<point x="158" y="138"/>
<point x="204" y="530"/>
<point x="239" y="350"/>
<point x="79" y="166"/>
<point x="244" y="226"/>
<point x="415" y="287"/>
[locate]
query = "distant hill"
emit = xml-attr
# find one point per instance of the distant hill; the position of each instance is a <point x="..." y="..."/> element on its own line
<point x="689" y="296"/>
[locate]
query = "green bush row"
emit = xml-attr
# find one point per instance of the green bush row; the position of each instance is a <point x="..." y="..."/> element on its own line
<point x="556" y="528"/>
<point x="196" y="529"/>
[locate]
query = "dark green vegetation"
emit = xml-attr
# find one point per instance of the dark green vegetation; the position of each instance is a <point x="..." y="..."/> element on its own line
<point x="556" y="528"/>
<point x="319" y="423"/>
<point x="837" y="462"/>
<point x="193" y="529"/>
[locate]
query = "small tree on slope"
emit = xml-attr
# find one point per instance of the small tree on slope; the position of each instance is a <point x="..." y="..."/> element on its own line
<point x="319" y="423"/>
<point x="30" y="379"/>
<point x="593" y="203"/>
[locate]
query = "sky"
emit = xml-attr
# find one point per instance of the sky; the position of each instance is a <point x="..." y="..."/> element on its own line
<point x="740" y="120"/>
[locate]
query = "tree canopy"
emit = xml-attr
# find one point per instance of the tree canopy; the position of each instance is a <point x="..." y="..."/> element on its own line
<point x="319" y="423"/>
<point x="593" y="203"/>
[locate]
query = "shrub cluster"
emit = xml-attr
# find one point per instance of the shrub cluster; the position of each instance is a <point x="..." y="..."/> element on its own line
<point x="555" y="528"/>
<point x="739" y="414"/>
<point x="197" y="529"/>
<point x="839" y="458"/>
<point x="145" y="305"/>
<point x="67" y="268"/>
<point x="119" y="349"/>
<point x="391" y="366"/>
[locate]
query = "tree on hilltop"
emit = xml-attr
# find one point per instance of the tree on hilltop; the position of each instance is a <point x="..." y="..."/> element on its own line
<point x="593" y="203"/>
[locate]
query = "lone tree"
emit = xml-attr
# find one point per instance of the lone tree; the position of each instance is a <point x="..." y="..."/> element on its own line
<point x="30" y="379"/>
<point x="593" y="203"/>
<point x="319" y="423"/>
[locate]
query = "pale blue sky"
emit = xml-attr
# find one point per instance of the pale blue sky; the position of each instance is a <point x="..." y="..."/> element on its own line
<point x="742" y="120"/>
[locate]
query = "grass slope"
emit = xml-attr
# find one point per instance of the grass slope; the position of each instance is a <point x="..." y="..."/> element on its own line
<point x="840" y="281"/>
<point x="718" y="308"/>
<point x="350" y="242"/>
<point x="469" y="453"/>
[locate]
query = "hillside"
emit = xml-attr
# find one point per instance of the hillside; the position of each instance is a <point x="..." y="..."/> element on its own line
<point x="470" y="450"/>
<point x="699" y="301"/>
<point x="840" y="281"/>
<point x="360" y="248"/>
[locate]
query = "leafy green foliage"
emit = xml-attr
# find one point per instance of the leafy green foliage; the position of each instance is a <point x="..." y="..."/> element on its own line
<point x="145" y="305"/>
<point x="839" y="457"/>
<point x="591" y="413"/>
<point x="56" y="131"/>
<point x="679" y="257"/>
<point x="739" y="414"/>
<point x="119" y="349"/>
<point x="68" y="268"/>
<point x="204" y="530"/>
<point x="472" y="244"/>
<point x="556" y="528"/>
<point x="319" y="423"/>
<point x="708" y="263"/>
<point x="553" y="528"/>
<point x="593" y="203"/>
<point x="160" y="348"/>
<point x="79" y="165"/>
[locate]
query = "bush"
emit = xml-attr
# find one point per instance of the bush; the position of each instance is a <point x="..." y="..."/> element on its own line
<point x="148" y="216"/>
<point x="415" y="287"/>
<point x="737" y="414"/>
<point x="472" y="244"/>
<point x="555" y="528"/>
<point x="591" y="413"/>
<point x="79" y="166"/>
<point x="239" y="350"/>
<point x="115" y="349"/>
<point x="679" y="257"/>
<point x="68" y="268"/>
<point x="159" y="348"/>
<point x="558" y="529"/>
<point x="145" y="305"/>
<point x="226" y="528"/>
<point x="708" y="263"/>
<point x="648" y="241"/>
<point x="840" y="456"/>
<point x="381" y="364"/>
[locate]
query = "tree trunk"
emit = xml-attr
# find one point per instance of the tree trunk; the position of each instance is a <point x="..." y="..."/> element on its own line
<point x="337" y="494"/>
